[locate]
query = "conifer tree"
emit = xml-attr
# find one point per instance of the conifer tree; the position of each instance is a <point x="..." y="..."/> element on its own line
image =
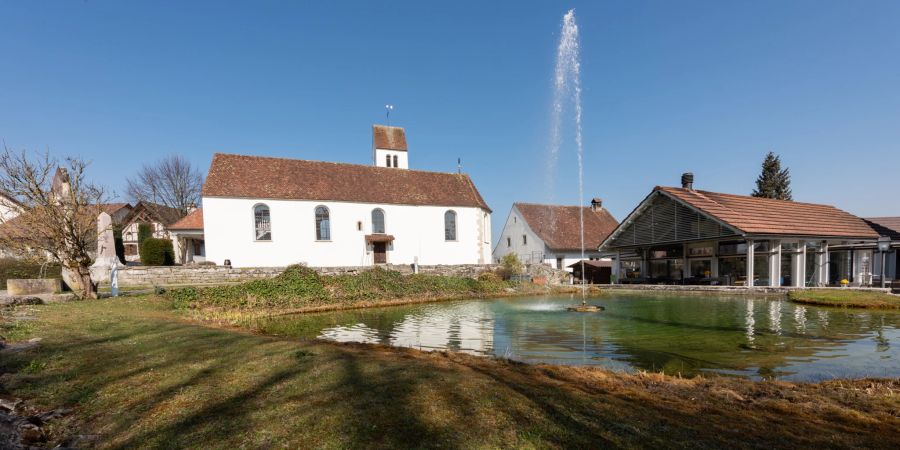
<point x="773" y="182"/>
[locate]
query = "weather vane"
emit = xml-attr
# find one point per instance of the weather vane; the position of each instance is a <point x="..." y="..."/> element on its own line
<point x="387" y="110"/>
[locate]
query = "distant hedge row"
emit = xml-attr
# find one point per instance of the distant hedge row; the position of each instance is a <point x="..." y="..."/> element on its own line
<point x="157" y="252"/>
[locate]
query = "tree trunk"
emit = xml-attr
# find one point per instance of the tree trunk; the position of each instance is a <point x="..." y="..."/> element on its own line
<point x="88" y="287"/>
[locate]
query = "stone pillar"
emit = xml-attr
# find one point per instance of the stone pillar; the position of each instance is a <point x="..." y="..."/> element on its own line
<point x="775" y="264"/>
<point x="750" y="252"/>
<point x="822" y="265"/>
<point x="798" y="265"/>
<point x="617" y="268"/>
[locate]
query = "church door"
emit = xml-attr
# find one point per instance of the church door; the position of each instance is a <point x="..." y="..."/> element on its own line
<point x="380" y="252"/>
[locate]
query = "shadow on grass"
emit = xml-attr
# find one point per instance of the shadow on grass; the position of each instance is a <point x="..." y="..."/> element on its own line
<point x="150" y="381"/>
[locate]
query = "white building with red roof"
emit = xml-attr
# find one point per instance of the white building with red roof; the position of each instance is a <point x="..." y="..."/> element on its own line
<point x="551" y="234"/>
<point x="261" y="211"/>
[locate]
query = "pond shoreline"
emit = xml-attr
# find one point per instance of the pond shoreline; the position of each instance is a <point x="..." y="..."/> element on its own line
<point x="233" y="387"/>
<point x="219" y="314"/>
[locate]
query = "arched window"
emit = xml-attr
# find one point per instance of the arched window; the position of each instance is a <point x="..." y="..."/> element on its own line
<point x="450" y="225"/>
<point x="378" y="221"/>
<point x="262" y="223"/>
<point x="323" y="224"/>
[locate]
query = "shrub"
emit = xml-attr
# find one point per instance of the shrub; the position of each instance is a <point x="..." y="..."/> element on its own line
<point x="489" y="277"/>
<point x="510" y="266"/>
<point x="157" y="252"/>
<point x="120" y="245"/>
<point x="144" y="232"/>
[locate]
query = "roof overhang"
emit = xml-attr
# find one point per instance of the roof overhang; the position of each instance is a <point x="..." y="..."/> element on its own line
<point x="379" y="238"/>
<point x="645" y="203"/>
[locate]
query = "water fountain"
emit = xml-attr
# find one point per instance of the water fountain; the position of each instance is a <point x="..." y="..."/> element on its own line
<point x="567" y="88"/>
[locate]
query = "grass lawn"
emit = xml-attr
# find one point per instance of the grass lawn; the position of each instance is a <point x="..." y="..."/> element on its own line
<point x="846" y="298"/>
<point x="139" y="374"/>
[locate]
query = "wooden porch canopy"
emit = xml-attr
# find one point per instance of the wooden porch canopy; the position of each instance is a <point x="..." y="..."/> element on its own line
<point x="378" y="238"/>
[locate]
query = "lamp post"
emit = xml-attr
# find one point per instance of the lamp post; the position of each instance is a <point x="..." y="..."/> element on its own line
<point x="884" y="244"/>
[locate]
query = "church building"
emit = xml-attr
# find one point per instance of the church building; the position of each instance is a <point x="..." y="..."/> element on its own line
<point x="261" y="211"/>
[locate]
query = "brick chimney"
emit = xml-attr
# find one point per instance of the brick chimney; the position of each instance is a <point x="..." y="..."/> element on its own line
<point x="596" y="204"/>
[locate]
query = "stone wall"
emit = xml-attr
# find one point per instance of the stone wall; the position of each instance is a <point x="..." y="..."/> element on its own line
<point x="33" y="286"/>
<point x="198" y="275"/>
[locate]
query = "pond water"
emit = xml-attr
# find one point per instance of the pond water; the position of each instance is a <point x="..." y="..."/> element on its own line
<point x="751" y="337"/>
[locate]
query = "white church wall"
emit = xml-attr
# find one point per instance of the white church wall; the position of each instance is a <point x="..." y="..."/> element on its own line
<point x="418" y="232"/>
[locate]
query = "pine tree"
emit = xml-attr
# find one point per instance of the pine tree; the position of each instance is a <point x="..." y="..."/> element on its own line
<point x="773" y="182"/>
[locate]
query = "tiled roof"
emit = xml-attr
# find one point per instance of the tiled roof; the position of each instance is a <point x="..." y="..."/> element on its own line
<point x="192" y="221"/>
<point x="164" y="214"/>
<point x="559" y="226"/>
<point x="257" y="177"/>
<point x="754" y="215"/>
<point x="389" y="138"/>
<point x="885" y="226"/>
<point x="111" y="208"/>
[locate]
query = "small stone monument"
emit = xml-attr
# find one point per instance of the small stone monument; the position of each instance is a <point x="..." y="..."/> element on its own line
<point x="106" y="250"/>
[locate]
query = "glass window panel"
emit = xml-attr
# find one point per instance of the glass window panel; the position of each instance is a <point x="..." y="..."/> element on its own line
<point x="262" y="223"/>
<point x="323" y="224"/>
<point x="378" y="221"/>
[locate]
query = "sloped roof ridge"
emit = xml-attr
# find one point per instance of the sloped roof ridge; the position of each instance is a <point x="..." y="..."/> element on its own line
<point x="702" y="194"/>
<point x="367" y="166"/>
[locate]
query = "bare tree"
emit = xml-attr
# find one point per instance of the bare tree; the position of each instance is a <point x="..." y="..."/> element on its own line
<point x="57" y="211"/>
<point x="172" y="182"/>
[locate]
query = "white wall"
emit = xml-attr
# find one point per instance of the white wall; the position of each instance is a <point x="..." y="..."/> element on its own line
<point x="402" y="158"/>
<point x="8" y="209"/>
<point x="418" y="232"/>
<point x="515" y="228"/>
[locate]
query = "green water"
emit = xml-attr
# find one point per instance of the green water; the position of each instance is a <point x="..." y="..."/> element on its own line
<point x="751" y="337"/>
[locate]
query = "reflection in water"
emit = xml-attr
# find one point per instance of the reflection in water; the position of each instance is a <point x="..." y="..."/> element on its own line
<point x="800" y="318"/>
<point x="751" y="323"/>
<point x="775" y="316"/>
<point x="687" y="335"/>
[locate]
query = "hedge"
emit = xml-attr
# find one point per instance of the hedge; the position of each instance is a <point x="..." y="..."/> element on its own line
<point x="157" y="252"/>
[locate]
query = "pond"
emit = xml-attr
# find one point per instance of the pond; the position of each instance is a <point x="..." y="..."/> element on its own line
<point x="757" y="338"/>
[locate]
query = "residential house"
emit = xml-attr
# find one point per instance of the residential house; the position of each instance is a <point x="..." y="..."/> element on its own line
<point x="261" y="211"/>
<point x="158" y="217"/>
<point x="551" y="234"/>
<point x="689" y="236"/>
<point x="187" y="236"/>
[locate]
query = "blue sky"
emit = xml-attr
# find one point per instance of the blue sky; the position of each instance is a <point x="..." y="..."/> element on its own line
<point x="669" y="87"/>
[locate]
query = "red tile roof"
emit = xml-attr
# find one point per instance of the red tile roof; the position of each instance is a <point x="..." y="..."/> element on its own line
<point x="242" y="176"/>
<point x="389" y="138"/>
<point x="560" y="226"/>
<point x="754" y="215"/>
<point x="885" y="226"/>
<point x="192" y="221"/>
<point x="112" y="208"/>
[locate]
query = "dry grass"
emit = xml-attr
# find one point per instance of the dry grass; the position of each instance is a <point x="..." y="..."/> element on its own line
<point x="140" y="375"/>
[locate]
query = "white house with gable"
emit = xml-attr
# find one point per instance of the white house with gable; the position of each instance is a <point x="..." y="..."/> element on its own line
<point x="551" y="234"/>
<point x="260" y="211"/>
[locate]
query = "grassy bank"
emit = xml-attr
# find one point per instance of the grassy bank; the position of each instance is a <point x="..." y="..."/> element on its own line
<point x="138" y="375"/>
<point x="302" y="289"/>
<point x="847" y="298"/>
